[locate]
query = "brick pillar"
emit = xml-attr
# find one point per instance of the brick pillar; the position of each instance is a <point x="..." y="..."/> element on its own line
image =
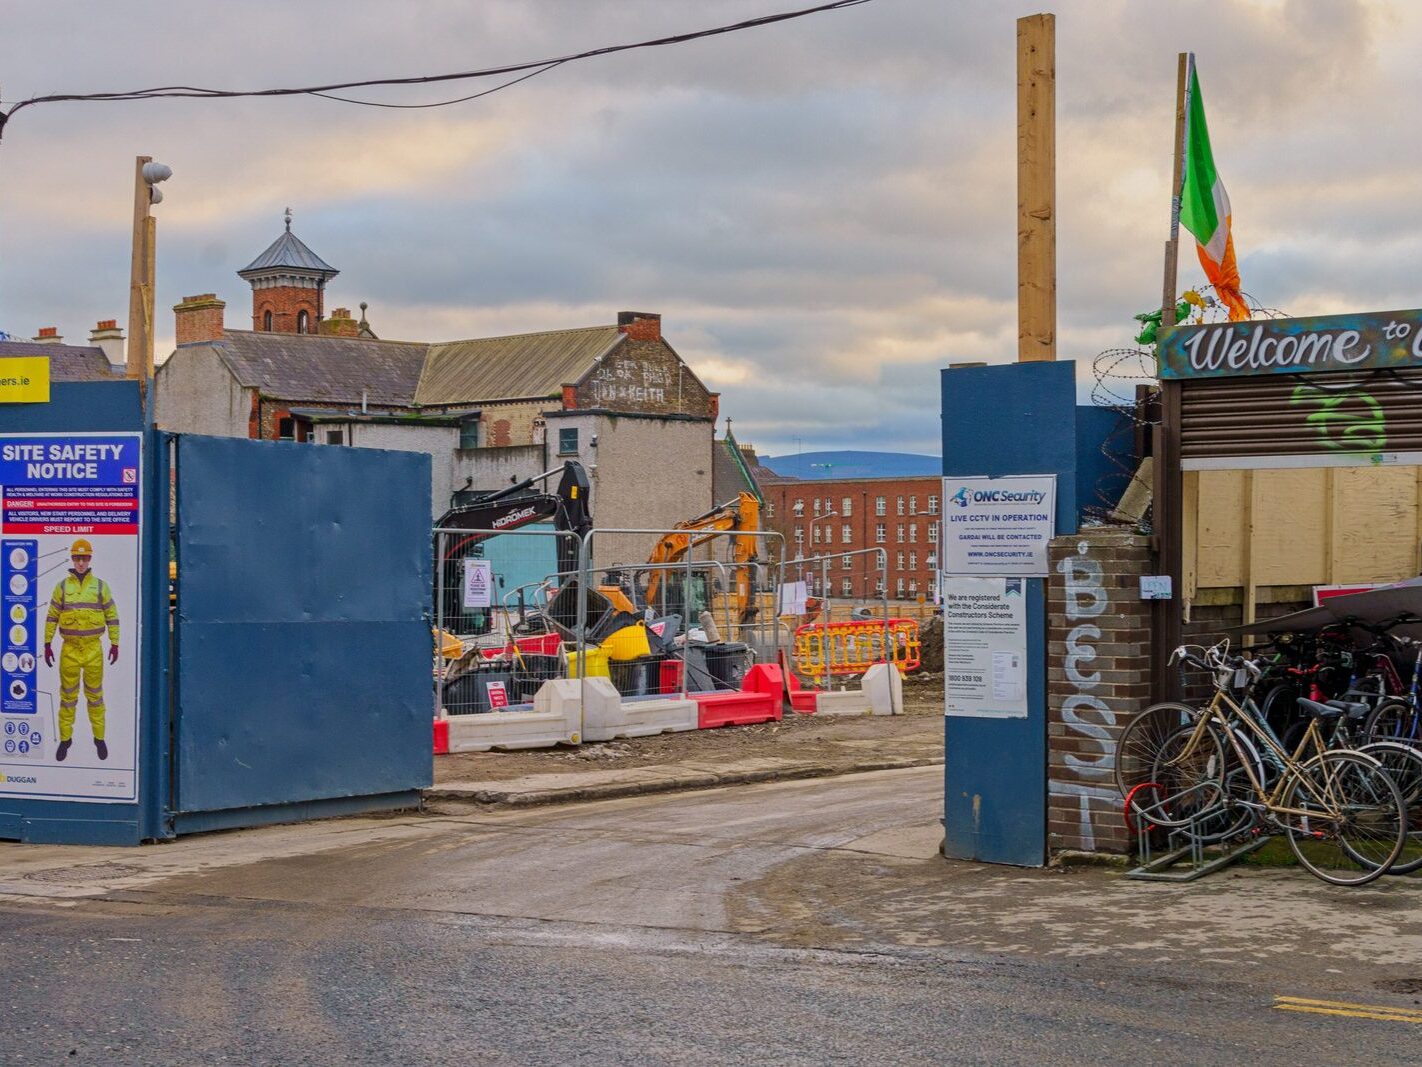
<point x="1098" y="677"/>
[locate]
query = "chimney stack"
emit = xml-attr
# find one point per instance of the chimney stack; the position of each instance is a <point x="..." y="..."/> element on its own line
<point x="640" y="325"/>
<point x="199" y="319"/>
<point x="48" y="335"/>
<point x="109" y="337"/>
<point x="340" y="324"/>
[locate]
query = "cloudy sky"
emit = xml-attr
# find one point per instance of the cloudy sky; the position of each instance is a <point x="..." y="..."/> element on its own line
<point x="823" y="211"/>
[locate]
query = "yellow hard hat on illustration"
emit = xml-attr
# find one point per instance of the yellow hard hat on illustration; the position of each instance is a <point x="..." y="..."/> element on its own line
<point x="81" y="547"/>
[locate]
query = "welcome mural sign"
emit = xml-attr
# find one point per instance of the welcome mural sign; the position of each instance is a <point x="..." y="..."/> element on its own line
<point x="1362" y="341"/>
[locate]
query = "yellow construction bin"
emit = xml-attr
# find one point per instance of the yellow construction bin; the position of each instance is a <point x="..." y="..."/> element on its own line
<point x="597" y="663"/>
<point x="630" y="642"/>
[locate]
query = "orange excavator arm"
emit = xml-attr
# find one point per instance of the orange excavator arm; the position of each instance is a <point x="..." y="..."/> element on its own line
<point x="743" y="513"/>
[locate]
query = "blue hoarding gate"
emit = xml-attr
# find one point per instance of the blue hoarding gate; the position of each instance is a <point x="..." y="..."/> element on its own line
<point x="292" y="677"/>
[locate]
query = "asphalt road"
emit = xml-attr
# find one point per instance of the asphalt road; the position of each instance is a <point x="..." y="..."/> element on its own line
<point x="654" y="930"/>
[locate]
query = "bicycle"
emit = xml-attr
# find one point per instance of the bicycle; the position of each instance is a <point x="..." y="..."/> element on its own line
<point x="1338" y="808"/>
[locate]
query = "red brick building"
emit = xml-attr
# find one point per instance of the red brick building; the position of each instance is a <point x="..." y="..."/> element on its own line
<point x="831" y="517"/>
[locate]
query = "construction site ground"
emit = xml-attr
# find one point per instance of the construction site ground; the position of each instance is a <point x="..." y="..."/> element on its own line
<point x="799" y="746"/>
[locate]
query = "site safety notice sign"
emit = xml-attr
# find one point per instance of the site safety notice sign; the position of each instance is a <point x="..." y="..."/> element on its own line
<point x="69" y="582"/>
<point x="998" y="527"/>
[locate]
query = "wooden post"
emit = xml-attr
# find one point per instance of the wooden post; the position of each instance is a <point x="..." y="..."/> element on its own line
<point x="140" y="280"/>
<point x="1249" y="590"/>
<point x="1036" y="189"/>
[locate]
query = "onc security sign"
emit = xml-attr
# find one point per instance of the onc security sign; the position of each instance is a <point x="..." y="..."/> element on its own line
<point x="999" y="527"/>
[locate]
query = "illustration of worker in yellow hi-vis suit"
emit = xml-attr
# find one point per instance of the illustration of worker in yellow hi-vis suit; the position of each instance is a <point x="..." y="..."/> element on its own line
<point x="82" y="608"/>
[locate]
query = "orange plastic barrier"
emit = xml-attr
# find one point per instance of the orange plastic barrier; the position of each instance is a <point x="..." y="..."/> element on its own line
<point x="854" y="647"/>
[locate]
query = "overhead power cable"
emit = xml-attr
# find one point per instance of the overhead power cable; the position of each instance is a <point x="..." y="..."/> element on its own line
<point x="526" y="70"/>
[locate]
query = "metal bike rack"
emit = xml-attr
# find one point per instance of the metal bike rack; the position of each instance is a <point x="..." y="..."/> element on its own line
<point x="1182" y="843"/>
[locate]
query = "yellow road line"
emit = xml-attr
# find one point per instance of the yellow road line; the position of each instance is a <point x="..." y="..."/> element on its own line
<point x="1383" y="1012"/>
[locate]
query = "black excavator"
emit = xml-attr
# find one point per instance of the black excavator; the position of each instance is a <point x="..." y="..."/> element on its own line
<point x="509" y="509"/>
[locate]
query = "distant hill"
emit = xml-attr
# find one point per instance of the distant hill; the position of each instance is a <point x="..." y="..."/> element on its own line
<point x="851" y="464"/>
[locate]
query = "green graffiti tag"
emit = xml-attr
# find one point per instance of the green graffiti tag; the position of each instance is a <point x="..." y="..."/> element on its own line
<point x="1344" y="421"/>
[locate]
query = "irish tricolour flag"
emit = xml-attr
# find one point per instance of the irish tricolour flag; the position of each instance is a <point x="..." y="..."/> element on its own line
<point x="1204" y="206"/>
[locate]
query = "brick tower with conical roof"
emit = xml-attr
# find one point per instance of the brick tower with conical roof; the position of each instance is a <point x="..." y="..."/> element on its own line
<point x="288" y="285"/>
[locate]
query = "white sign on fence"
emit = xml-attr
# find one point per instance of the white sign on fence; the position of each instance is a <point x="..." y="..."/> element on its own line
<point x="792" y="598"/>
<point x="985" y="654"/>
<point x="478" y="583"/>
<point x="997" y="527"/>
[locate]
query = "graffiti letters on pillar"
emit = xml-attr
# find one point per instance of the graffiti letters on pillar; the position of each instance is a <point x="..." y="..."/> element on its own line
<point x="1345" y="421"/>
<point x="1085" y="599"/>
<point x="1083" y="712"/>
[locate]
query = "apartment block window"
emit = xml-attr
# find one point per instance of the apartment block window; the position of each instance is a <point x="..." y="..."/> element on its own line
<point x="933" y="505"/>
<point x="799" y="508"/>
<point x="899" y="561"/>
<point x="913" y="586"/>
<point x="817" y="505"/>
<point x="846" y="587"/>
<point x="770" y="509"/>
<point x="846" y="563"/>
<point x="881" y="505"/>
<point x="901" y="505"/>
<point x="799" y="535"/>
<point x="879" y="533"/>
<point x="899" y="587"/>
<point x="335" y="437"/>
<point x="913" y="505"/>
<point x="931" y="560"/>
<point x="913" y="561"/>
<point x="933" y="532"/>
<point x="913" y="531"/>
<point x="567" y="441"/>
<point x="816" y="535"/>
<point x="846" y="507"/>
<point x="879" y="586"/>
<point x="846" y="535"/>
<point x="900" y="532"/>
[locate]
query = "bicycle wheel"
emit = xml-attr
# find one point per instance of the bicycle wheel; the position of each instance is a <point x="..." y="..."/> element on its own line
<point x="1188" y="777"/>
<point x="1403" y="764"/>
<point x="1394" y="720"/>
<point x="1140" y="741"/>
<point x="1344" y="818"/>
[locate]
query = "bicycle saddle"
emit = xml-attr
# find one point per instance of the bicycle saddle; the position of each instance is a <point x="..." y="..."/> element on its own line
<point x="1314" y="710"/>
<point x="1355" y="709"/>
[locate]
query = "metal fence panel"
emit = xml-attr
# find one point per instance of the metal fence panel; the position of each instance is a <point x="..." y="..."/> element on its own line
<point x="301" y="631"/>
<point x="506" y="631"/>
<point x="687" y="594"/>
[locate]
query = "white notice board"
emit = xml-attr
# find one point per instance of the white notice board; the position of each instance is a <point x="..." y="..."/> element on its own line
<point x="985" y="654"/>
<point x="478" y="583"/>
<point x="997" y="527"/>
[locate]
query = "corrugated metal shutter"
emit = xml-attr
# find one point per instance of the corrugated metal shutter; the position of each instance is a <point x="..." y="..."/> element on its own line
<point x="1302" y="414"/>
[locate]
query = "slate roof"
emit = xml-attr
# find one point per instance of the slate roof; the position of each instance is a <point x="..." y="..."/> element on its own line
<point x="320" y="367"/>
<point x="67" y="363"/>
<point x="522" y="365"/>
<point x="289" y="252"/>
<point x="294" y="366"/>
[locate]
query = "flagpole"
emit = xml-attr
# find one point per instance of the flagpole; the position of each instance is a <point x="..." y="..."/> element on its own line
<point x="1184" y="68"/>
<point x="1167" y="496"/>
